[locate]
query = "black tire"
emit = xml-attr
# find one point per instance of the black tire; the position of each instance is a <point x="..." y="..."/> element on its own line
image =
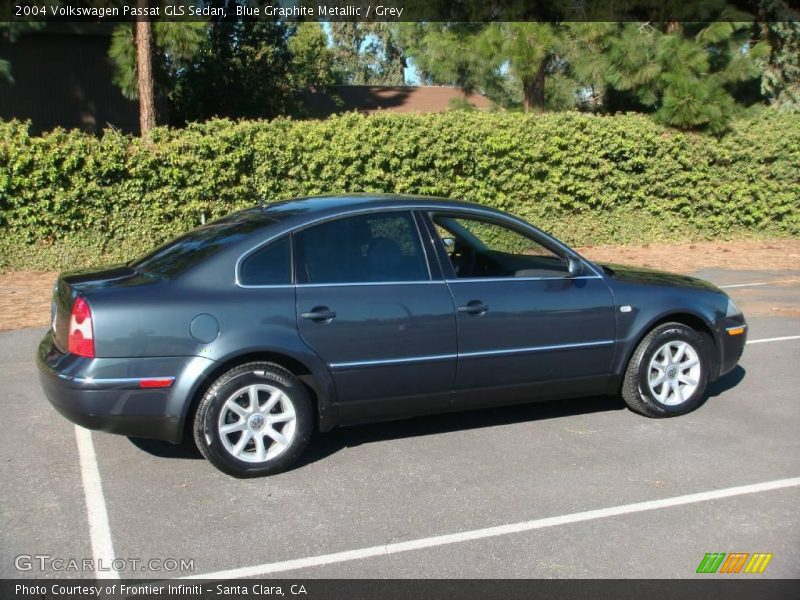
<point x="207" y="419"/>
<point x="636" y="390"/>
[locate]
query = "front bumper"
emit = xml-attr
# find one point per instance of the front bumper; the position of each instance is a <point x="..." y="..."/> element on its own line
<point x="105" y="394"/>
<point x="732" y="346"/>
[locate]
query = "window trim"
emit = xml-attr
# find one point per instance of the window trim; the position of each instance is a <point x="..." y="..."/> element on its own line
<point x="435" y="272"/>
<point x="423" y="210"/>
<point x="540" y="238"/>
<point x="365" y="283"/>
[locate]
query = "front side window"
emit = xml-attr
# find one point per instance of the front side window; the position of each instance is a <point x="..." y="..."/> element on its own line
<point x="478" y="248"/>
<point x="379" y="247"/>
<point x="269" y="265"/>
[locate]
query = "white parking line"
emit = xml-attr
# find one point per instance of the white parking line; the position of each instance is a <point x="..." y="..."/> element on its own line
<point x="99" y="531"/>
<point x="724" y="287"/>
<point x="775" y="339"/>
<point x="103" y="549"/>
<point x="500" y="530"/>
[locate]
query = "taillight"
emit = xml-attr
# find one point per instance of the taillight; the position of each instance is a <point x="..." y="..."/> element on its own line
<point x="81" y="331"/>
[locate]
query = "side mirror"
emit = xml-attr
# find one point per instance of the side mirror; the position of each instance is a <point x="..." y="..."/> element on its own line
<point x="574" y="266"/>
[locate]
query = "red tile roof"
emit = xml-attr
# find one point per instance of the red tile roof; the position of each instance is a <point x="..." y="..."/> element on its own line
<point x="372" y="98"/>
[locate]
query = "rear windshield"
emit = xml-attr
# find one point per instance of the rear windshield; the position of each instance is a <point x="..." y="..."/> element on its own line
<point x="194" y="247"/>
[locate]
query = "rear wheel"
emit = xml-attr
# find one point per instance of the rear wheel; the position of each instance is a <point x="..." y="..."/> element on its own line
<point x="256" y="419"/>
<point x="668" y="372"/>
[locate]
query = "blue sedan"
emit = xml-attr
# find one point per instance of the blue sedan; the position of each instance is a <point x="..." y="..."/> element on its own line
<point x="248" y="333"/>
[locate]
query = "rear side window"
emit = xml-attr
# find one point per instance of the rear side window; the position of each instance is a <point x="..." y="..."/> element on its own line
<point x="379" y="247"/>
<point x="190" y="249"/>
<point x="270" y="265"/>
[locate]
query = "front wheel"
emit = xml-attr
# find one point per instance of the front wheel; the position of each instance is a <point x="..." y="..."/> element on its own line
<point x="668" y="372"/>
<point x="255" y="420"/>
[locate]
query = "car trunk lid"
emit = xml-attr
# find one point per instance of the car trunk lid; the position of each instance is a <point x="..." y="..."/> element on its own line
<point x="71" y="284"/>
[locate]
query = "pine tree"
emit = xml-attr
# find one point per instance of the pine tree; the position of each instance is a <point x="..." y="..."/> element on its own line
<point x="144" y="74"/>
<point x="683" y="73"/>
<point x="528" y="52"/>
<point x="146" y="56"/>
<point x="242" y="70"/>
<point x="586" y="51"/>
<point x="313" y="61"/>
<point x="368" y="53"/>
<point x="780" y="27"/>
<point x="447" y="54"/>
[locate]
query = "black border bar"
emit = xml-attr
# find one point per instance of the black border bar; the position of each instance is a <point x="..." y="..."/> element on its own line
<point x="114" y="11"/>
<point x="733" y="588"/>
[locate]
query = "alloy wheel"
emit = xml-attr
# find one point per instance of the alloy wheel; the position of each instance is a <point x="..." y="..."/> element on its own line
<point x="674" y="373"/>
<point x="257" y="423"/>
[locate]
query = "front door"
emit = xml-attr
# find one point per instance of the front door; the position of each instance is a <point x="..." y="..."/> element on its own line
<point x="524" y="323"/>
<point x="369" y="307"/>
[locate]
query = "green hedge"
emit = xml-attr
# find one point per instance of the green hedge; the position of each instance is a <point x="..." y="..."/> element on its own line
<point x="69" y="199"/>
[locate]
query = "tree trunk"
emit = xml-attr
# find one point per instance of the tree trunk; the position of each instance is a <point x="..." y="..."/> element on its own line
<point x="533" y="90"/>
<point x="144" y="72"/>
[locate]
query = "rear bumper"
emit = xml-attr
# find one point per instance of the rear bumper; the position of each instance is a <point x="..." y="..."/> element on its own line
<point x="105" y="394"/>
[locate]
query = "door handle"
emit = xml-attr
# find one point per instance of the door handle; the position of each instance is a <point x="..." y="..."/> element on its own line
<point x="319" y="314"/>
<point x="474" y="307"/>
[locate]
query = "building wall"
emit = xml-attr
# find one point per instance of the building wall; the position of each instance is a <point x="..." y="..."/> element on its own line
<point x="64" y="80"/>
<point x="374" y="98"/>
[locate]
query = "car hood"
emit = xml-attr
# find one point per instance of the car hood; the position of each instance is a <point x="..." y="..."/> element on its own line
<point x="646" y="276"/>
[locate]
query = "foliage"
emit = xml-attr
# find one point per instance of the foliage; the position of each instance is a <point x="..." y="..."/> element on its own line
<point x="240" y="71"/>
<point x="528" y="53"/>
<point x="229" y="67"/>
<point x="459" y="103"/>
<point x="690" y="75"/>
<point x="368" y="53"/>
<point x="781" y="79"/>
<point x="685" y="73"/>
<point x="445" y="53"/>
<point x="313" y="63"/>
<point x="9" y="32"/>
<point x="71" y="199"/>
<point x="175" y="42"/>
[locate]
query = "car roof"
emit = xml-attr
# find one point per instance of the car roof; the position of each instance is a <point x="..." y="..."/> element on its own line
<point x="312" y="208"/>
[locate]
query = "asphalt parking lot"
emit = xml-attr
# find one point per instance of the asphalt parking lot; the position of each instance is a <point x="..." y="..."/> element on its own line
<point x="380" y="500"/>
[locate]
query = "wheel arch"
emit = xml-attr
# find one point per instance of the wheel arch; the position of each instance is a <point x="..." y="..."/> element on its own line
<point x="318" y="385"/>
<point x="689" y="318"/>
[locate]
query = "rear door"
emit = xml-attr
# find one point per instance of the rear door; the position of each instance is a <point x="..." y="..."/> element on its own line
<point x="524" y="323"/>
<point x="372" y="309"/>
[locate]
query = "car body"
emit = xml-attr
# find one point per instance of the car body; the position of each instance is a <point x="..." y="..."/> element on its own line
<point x="379" y="306"/>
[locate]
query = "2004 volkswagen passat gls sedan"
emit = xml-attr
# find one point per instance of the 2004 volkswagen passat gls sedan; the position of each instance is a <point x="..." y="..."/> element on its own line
<point x="253" y="330"/>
